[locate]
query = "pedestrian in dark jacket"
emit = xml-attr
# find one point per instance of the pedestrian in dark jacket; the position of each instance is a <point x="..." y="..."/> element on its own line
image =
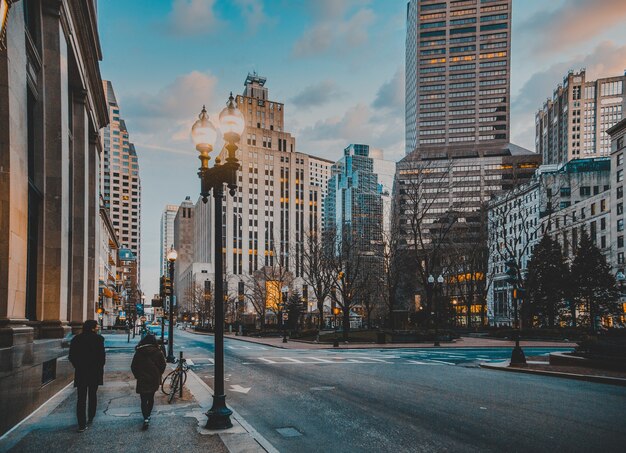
<point x="148" y="367"/>
<point x="87" y="356"/>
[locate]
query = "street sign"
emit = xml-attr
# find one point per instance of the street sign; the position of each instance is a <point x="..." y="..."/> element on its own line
<point x="122" y="314"/>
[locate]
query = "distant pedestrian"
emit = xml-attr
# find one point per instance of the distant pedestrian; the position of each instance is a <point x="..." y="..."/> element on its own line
<point x="87" y="356"/>
<point x="148" y="367"/>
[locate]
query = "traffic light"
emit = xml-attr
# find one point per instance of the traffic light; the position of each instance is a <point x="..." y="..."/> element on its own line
<point x="511" y="271"/>
<point x="165" y="287"/>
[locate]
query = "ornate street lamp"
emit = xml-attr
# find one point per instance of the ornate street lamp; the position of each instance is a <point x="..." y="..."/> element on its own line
<point x="171" y="258"/>
<point x="213" y="179"/>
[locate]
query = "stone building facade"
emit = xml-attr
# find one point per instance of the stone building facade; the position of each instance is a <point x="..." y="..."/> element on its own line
<point x="560" y="200"/>
<point x="52" y="106"/>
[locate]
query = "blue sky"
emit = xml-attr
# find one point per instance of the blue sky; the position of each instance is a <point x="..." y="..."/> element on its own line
<point x="338" y="65"/>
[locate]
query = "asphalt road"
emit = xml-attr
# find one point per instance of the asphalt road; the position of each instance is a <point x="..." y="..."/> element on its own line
<point x="409" y="400"/>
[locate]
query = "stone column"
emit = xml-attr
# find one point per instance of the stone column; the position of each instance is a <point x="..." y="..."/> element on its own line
<point x="13" y="193"/>
<point x="80" y="213"/>
<point x="53" y="309"/>
<point x="93" y="237"/>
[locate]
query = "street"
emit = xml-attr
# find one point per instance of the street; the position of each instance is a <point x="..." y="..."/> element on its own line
<point x="408" y="400"/>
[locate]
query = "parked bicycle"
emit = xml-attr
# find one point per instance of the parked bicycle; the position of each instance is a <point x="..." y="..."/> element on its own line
<point x="175" y="380"/>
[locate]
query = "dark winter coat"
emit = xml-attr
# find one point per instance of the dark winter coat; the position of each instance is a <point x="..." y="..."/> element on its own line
<point x="87" y="356"/>
<point x="148" y="366"/>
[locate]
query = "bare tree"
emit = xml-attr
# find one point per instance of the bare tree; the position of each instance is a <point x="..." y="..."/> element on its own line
<point x="467" y="266"/>
<point x="264" y="286"/>
<point x="317" y="272"/>
<point x="424" y="225"/>
<point x="200" y="302"/>
<point x="349" y="268"/>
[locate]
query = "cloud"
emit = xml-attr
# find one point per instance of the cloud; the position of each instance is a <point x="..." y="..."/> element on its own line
<point x="192" y="17"/>
<point x="253" y="12"/>
<point x="316" y="94"/>
<point x="391" y="93"/>
<point x="164" y="118"/>
<point x="335" y="9"/>
<point x="359" y="124"/>
<point x="573" y="23"/>
<point x="335" y="28"/>
<point x="605" y="60"/>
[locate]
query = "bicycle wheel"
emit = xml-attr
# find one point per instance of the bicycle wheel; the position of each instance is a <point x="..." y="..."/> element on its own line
<point x="166" y="384"/>
<point x="174" y="389"/>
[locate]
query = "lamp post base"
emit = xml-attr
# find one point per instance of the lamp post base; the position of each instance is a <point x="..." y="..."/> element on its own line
<point x="170" y="359"/>
<point x="219" y="414"/>
<point x="518" y="358"/>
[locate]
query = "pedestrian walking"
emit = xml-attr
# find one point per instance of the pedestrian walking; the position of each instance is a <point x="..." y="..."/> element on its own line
<point x="148" y="366"/>
<point x="88" y="357"/>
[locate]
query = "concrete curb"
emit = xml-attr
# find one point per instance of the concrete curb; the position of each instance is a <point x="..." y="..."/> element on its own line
<point x="504" y="366"/>
<point x="238" y="438"/>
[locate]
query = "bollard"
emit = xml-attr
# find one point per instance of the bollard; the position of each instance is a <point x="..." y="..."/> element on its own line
<point x="181" y="377"/>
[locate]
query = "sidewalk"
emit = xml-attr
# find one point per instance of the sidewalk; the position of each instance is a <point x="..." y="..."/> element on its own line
<point x="540" y="366"/>
<point x="117" y="426"/>
<point x="463" y="342"/>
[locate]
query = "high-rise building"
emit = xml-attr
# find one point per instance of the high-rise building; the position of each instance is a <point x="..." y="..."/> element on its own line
<point x="457" y="72"/>
<point x="618" y="218"/>
<point x="183" y="244"/>
<point x="354" y="205"/>
<point x="386" y="172"/>
<point x="573" y="123"/>
<point x="167" y="234"/>
<point x="279" y="193"/>
<point x="121" y="186"/>
<point x="319" y="174"/>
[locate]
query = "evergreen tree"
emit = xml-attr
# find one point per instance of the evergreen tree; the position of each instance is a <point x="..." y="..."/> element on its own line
<point x="594" y="285"/>
<point x="546" y="282"/>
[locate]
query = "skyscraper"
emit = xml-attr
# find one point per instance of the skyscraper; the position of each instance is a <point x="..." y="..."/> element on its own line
<point x="573" y="123"/>
<point x="279" y="193"/>
<point x="457" y="72"/>
<point x="183" y="243"/>
<point x="354" y="205"/>
<point x="121" y="186"/>
<point x="167" y="234"/>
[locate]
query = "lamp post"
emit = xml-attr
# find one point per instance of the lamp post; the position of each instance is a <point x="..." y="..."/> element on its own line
<point x="436" y="289"/>
<point x="212" y="180"/>
<point x="171" y="258"/>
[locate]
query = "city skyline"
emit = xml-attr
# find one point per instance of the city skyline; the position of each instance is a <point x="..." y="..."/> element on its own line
<point x="357" y="83"/>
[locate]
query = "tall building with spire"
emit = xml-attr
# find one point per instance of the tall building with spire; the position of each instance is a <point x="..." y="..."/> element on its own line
<point x="121" y="185"/>
<point x="458" y="60"/>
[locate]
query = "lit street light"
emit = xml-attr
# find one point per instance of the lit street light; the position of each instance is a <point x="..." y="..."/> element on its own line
<point x="171" y="258"/>
<point x="212" y="180"/>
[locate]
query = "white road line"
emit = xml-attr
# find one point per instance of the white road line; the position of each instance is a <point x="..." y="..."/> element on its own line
<point x="292" y="360"/>
<point x="320" y="360"/>
<point x="441" y="361"/>
<point x="266" y="360"/>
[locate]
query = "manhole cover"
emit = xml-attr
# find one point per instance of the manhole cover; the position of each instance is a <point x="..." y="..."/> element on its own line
<point x="288" y="432"/>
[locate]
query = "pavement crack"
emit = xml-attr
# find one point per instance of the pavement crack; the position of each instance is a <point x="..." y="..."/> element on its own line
<point x="110" y="401"/>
